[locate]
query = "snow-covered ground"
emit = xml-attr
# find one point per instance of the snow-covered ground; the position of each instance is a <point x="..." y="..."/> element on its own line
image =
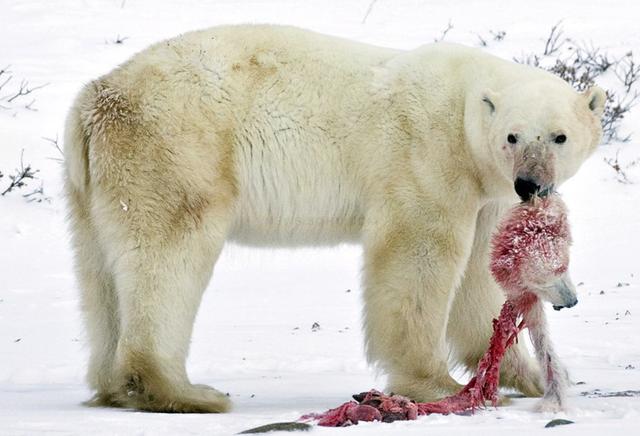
<point x="253" y="337"/>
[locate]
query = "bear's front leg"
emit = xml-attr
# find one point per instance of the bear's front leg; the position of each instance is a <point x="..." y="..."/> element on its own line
<point x="413" y="263"/>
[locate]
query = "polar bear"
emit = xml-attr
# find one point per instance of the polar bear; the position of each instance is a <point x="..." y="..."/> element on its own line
<point x="274" y="135"/>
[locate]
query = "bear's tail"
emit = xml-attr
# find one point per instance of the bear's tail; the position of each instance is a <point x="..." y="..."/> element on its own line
<point x="77" y="136"/>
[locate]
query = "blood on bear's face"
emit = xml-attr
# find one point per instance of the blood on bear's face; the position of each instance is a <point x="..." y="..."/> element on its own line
<point x="540" y="133"/>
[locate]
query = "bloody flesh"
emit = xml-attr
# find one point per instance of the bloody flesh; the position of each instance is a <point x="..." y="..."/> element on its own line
<point x="482" y="388"/>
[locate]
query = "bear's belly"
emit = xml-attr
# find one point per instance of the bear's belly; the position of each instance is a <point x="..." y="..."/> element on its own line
<point x="291" y="231"/>
<point x="295" y="209"/>
<point x="295" y="193"/>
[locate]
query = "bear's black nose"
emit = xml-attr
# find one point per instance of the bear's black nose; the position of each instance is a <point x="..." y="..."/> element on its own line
<point x="525" y="188"/>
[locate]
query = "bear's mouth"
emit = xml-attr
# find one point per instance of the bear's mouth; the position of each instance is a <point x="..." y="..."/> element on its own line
<point x="527" y="188"/>
<point x="547" y="191"/>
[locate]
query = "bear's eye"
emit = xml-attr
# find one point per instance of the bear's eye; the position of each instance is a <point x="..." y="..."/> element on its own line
<point x="560" y="139"/>
<point x="511" y="138"/>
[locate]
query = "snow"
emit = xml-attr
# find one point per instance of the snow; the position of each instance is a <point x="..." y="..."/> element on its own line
<point x="253" y="336"/>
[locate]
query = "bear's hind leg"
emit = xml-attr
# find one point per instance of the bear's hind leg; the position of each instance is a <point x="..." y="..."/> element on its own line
<point x="159" y="286"/>
<point x="99" y="301"/>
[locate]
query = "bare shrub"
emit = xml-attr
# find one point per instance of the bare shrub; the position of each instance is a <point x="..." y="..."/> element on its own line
<point x="119" y="40"/>
<point x="444" y="32"/>
<point x="592" y="58"/>
<point x="481" y="40"/>
<point x="530" y="59"/>
<point x="499" y="35"/>
<point x="37" y="195"/>
<point x="580" y="66"/>
<point x="20" y="176"/>
<point x="496" y="36"/>
<point x="369" y="9"/>
<point x="616" y="108"/>
<point x="55" y="144"/>
<point x="555" y="40"/>
<point x="579" y="75"/>
<point x="619" y="168"/>
<point x="14" y="96"/>
<point x="628" y="71"/>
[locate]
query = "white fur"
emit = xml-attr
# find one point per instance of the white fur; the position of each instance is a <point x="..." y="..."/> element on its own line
<point x="277" y="136"/>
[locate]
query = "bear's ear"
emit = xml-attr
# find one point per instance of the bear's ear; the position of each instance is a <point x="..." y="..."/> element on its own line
<point x="489" y="98"/>
<point x="596" y="98"/>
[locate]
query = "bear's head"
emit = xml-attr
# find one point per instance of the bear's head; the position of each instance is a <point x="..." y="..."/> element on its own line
<point x="537" y="133"/>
